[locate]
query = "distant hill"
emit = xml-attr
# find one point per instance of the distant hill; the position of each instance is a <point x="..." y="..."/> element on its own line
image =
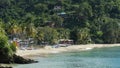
<point x="97" y="20"/>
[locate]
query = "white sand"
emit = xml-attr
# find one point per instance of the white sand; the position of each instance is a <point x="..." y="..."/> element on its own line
<point x="49" y="49"/>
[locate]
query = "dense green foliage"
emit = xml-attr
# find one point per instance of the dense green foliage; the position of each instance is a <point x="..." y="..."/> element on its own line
<point x="47" y="34"/>
<point x="84" y="21"/>
<point x="5" y="50"/>
<point x="13" y="47"/>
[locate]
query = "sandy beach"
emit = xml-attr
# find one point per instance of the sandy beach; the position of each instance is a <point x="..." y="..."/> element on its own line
<point x="49" y="49"/>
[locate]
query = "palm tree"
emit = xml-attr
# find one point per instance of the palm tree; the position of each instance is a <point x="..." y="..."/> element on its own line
<point x="15" y="30"/>
<point x="83" y="36"/>
<point x="31" y="30"/>
<point x="40" y="35"/>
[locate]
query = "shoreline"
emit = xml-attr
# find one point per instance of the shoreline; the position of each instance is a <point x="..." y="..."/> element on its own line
<point x="50" y="50"/>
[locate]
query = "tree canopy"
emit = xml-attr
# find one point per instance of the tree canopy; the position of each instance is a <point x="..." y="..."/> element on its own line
<point x="97" y="21"/>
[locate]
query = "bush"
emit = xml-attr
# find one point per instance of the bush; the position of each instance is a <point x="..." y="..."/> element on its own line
<point x="5" y="49"/>
<point x="13" y="47"/>
<point x="3" y="41"/>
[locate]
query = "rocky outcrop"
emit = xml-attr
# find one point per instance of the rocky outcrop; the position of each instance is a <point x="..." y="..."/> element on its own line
<point x="16" y="59"/>
<point x="21" y="60"/>
<point x="5" y="59"/>
<point x="4" y="66"/>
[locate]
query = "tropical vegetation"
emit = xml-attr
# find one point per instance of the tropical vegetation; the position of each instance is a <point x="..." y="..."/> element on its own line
<point x="84" y="21"/>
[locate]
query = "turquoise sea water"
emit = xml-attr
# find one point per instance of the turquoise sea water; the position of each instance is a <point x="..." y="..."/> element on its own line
<point x="96" y="58"/>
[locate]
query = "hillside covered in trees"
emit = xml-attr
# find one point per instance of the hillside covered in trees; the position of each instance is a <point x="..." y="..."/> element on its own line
<point x="84" y="21"/>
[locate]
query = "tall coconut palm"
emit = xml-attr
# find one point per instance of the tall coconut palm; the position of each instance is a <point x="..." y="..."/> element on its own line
<point x="15" y="30"/>
<point x="31" y="30"/>
<point x="23" y="33"/>
<point x="83" y="36"/>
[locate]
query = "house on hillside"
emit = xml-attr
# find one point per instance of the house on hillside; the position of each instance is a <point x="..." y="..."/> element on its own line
<point x="62" y="14"/>
<point x="57" y="8"/>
